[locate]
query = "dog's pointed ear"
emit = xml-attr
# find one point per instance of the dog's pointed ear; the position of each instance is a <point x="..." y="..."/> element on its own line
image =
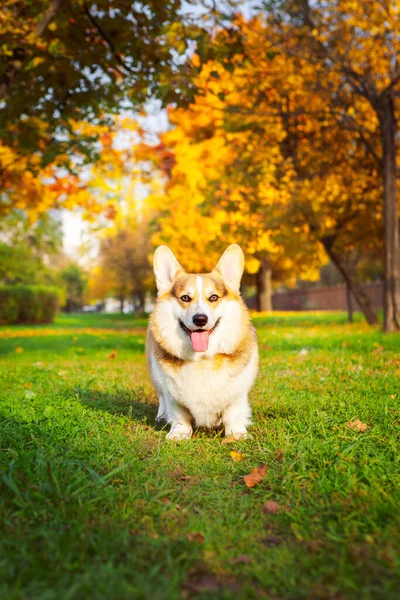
<point x="166" y="268"/>
<point x="231" y="265"/>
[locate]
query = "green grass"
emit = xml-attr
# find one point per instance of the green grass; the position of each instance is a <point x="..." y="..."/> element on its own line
<point x="95" y="503"/>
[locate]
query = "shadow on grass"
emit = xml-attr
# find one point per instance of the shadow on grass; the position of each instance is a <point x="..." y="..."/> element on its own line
<point x="136" y="403"/>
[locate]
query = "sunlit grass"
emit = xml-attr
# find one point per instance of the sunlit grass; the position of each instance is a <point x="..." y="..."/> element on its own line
<point x="97" y="504"/>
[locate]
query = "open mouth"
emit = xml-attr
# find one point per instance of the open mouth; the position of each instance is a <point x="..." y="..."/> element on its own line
<point x="198" y="337"/>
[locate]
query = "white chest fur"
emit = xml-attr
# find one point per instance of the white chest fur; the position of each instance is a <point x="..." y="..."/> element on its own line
<point x="206" y="388"/>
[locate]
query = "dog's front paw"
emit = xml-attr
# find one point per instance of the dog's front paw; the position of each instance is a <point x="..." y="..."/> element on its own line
<point x="178" y="433"/>
<point x="240" y="435"/>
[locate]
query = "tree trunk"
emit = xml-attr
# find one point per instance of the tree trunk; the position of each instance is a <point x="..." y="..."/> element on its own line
<point x="354" y="286"/>
<point x="391" y="293"/>
<point x="136" y="301"/>
<point x="264" y="286"/>
<point x="349" y="302"/>
<point x="121" y="305"/>
<point x="141" y="297"/>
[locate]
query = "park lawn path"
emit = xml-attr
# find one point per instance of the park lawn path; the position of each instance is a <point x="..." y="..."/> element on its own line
<point x="95" y="503"/>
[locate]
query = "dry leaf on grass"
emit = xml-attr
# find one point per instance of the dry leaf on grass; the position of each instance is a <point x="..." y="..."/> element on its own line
<point x="19" y="349"/>
<point x="112" y="354"/>
<point x="196" y="536"/>
<point x="272" y="540"/>
<point x="357" y="425"/>
<point x="255" y="476"/>
<point x="265" y="347"/>
<point x="271" y="507"/>
<point x="236" y="456"/>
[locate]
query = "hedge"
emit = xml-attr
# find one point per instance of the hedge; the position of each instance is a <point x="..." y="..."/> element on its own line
<point x="28" y="304"/>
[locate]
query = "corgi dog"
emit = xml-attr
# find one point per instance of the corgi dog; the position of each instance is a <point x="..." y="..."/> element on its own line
<point x="201" y="347"/>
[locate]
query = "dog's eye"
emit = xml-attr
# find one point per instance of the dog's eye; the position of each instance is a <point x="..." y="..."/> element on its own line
<point x="185" y="298"/>
<point x="213" y="298"/>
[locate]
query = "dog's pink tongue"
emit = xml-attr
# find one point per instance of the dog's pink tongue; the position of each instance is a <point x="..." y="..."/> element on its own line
<point x="199" y="340"/>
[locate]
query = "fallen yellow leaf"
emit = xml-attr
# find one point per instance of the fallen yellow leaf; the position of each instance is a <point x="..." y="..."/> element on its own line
<point x="19" y="349"/>
<point x="236" y="456"/>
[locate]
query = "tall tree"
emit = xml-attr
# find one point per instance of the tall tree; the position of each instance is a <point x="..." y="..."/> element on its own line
<point x="67" y="62"/>
<point x="354" y="47"/>
<point x="74" y="281"/>
<point x="285" y="100"/>
<point x="214" y="188"/>
<point x="123" y="268"/>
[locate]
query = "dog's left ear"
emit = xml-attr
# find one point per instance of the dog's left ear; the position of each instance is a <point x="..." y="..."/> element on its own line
<point x="166" y="268"/>
<point x="231" y="265"/>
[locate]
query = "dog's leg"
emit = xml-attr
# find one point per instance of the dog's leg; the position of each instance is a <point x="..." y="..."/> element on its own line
<point x="181" y="423"/>
<point x="237" y="417"/>
<point x="161" y="414"/>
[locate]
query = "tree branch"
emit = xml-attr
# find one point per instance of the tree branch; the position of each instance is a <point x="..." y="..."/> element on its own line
<point x="108" y="41"/>
<point x="19" y="54"/>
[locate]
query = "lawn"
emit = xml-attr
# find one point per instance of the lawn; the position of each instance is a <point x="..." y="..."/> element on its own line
<point x="95" y="503"/>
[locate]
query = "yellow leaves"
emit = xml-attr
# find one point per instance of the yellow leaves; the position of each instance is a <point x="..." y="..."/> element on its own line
<point x="37" y="190"/>
<point x="231" y="176"/>
<point x="57" y="47"/>
<point x="196" y="60"/>
<point x="329" y="222"/>
<point x="19" y="350"/>
<point x="252" y="265"/>
<point x="38" y="60"/>
<point x="176" y="36"/>
<point x="236" y="456"/>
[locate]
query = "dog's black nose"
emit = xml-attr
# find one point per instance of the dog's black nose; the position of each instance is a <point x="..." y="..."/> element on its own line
<point x="200" y="320"/>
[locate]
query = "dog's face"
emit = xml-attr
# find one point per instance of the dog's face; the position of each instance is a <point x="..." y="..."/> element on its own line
<point x="199" y="313"/>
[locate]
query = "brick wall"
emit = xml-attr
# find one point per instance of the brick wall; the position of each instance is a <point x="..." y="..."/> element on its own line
<point x="325" y="298"/>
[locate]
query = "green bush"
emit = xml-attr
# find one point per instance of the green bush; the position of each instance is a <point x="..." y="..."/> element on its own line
<point x="28" y="304"/>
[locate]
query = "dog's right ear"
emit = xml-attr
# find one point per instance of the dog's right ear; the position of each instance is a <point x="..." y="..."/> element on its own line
<point x="166" y="268"/>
